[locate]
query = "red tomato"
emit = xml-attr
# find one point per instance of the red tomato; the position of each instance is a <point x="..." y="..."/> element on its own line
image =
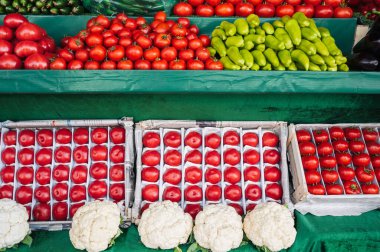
<point x="283" y="10"/>
<point x="213" y="175"/>
<point x="250" y="207"/>
<point x="351" y="187"/>
<point x="77" y="193"/>
<point x="334" y="189"/>
<point x="9" y="137"/>
<point x="370" y="189"/>
<point x="8" y="155"/>
<point x="60" y="210"/>
<point x="97" y="189"/>
<point x="26" y="137"/>
<point x="7" y="174"/>
<point x="325" y="149"/>
<point x="364" y="175"/>
<point x="225" y="10"/>
<point x="42" y="175"/>
<point x="195" y="44"/>
<point x="183" y="9"/>
<point x="303" y="136"/>
<point x="343" y="12"/>
<point x="193" y="209"/>
<point x="62" y="154"/>
<point x="41" y="212"/>
<point x="231" y="137"/>
<point x="25" y="156"/>
<point x="117" y="135"/>
<point x="316" y="189"/>
<point x="150" y="174"/>
<point x="74" y="208"/>
<point x="373" y="148"/>
<point x="346" y="173"/>
<point x="186" y="54"/>
<point x="151" y="158"/>
<point x="252" y="173"/>
<point x="98" y="170"/>
<point x="336" y="132"/>
<point x="232" y="175"/>
<point x="151" y="139"/>
<point x="178" y="30"/>
<point x="177" y="65"/>
<point x="172" y="176"/>
<point x="377" y="174"/>
<point x="79" y="174"/>
<point x="272" y="174"/>
<point x="212" y="158"/>
<point x="75" y="65"/>
<point x="265" y="10"/>
<point x="22" y="49"/>
<point x="144" y="41"/>
<point x="81" y="136"/>
<point x="244" y="9"/>
<point x="193" y="175"/>
<point x="375" y="162"/>
<point x="237" y="208"/>
<point x="274" y="191"/>
<point x="202" y="53"/>
<point x="117" y="192"/>
<point x="61" y="173"/>
<point x="232" y="156"/>
<point x="160" y="15"/>
<point x="80" y="154"/>
<point x="330" y="162"/>
<point x="172" y="158"/>
<point x="63" y="136"/>
<point x="206" y="41"/>
<point x="233" y="192"/>
<point x="362" y="159"/>
<point x="25" y="175"/>
<point x="307" y="148"/>
<point x="357" y="146"/>
<point x="172" y="193"/>
<point x="212" y="140"/>
<point x="45" y="137"/>
<point x="14" y="20"/>
<point x="194" y="64"/>
<point x="179" y="43"/>
<point x="193" y="193"/>
<point x="313" y="2"/>
<point x="117" y="154"/>
<point x="270" y="156"/>
<point x="330" y="176"/>
<point x="204" y="10"/>
<point x="194" y="156"/>
<point x="169" y="53"/>
<point x="24" y="195"/>
<point x="29" y="31"/>
<point x="162" y="40"/>
<point x="213" y="193"/>
<point x="98" y="53"/>
<point x="250" y="139"/>
<point x="340" y="145"/>
<point x="75" y="44"/>
<point x="270" y="139"/>
<point x="320" y="136"/>
<point x="125" y="65"/>
<point x="94" y="39"/>
<point x="59" y="191"/>
<point x="352" y="133"/>
<point x="213" y="2"/>
<point x="370" y="135"/>
<point x="195" y="3"/>
<point x="66" y="54"/>
<point x="42" y="194"/>
<point x="172" y="139"/>
<point x="253" y="192"/>
<point x="99" y="135"/>
<point x="251" y="156"/>
<point x="44" y="156"/>
<point x="312" y="177"/>
<point x="6" y="192"/>
<point x="36" y="61"/>
<point x="184" y="21"/>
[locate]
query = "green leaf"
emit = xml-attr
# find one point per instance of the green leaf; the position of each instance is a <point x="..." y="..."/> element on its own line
<point x="113" y="241"/>
<point x="3" y="249"/>
<point x="243" y="243"/>
<point x="27" y="241"/>
<point x="263" y="249"/>
<point x="193" y="247"/>
<point x="177" y="249"/>
<point x="191" y="239"/>
<point x="203" y="249"/>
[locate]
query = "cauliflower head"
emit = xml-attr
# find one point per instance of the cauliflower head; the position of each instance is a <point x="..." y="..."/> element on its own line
<point x="95" y="225"/>
<point x="271" y="225"/>
<point x="218" y="228"/>
<point x="14" y="225"/>
<point x="164" y="225"/>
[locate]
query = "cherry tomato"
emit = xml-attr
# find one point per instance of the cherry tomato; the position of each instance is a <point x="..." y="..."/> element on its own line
<point x="316" y="189"/>
<point x="172" y="139"/>
<point x="213" y="175"/>
<point x="303" y="136"/>
<point x="77" y="193"/>
<point x="80" y="154"/>
<point x="42" y="175"/>
<point x="63" y="136"/>
<point x="250" y="139"/>
<point x="151" y="158"/>
<point x="270" y="156"/>
<point x="194" y="156"/>
<point x="151" y="139"/>
<point x="24" y="195"/>
<point x="334" y="189"/>
<point x="193" y="193"/>
<point x="42" y="194"/>
<point x="41" y="212"/>
<point x="61" y="173"/>
<point x="212" y="141"/>
<point x="233" y="192"/>
<point x="252" y="173"/>
<point x="25" y="175"/>
<point x="60" y="210"/>
<point x="330" y="162"/>
<point x="212" y="158"/>
<point x="193" y="175"/>
<point x="60" y="191"/>
<point x="232" y="175"/>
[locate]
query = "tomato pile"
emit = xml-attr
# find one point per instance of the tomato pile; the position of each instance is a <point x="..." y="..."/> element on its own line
<point x="263" y="8"/>
<point x="199" y="166"/>
<point x="367" y="8"/>
<point x="127" y="43"/>
<point x="24" y="44"/>
<point x="340" y="160"/>
<point x="55" y="171"/>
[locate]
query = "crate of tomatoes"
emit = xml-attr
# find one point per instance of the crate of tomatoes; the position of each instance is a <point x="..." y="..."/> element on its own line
<point x="335" y="168"/>
<point x="196" y="163"/>
<point x="54" y="167"/>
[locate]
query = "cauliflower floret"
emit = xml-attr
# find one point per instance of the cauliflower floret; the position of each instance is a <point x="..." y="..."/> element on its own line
<point x="14" y="225"/>
<point x="218" y="228"/>
<point x="164" y="225"/>
<point x="95" y="225"/>
<point x="270" y="225"/>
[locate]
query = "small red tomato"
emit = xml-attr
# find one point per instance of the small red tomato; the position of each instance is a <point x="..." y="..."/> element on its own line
<point x="212" y="141"/>
<point x="172" y="139"/>
<point x="99" y="135"/>
<point x="212" y="158"/>
<point x="206" y="41"/>
<point x="172" y="193"/>
<point x="25" y="175"/>
<point x="252" y="173"/>
<point x="42" y="194"/>
<point x="330" y="162"/>
<point x="45" y="138"/>
<point x="272" y="174"/>
<point x="250" y="139"/>
<point x="77" y="193"/>
<point x="193" y="139"/>
<point x="320" y="136"/>
<point x="81" y="136"/>
<point x="80" y="154"/>
<point x="233" y="192"/>
<point x="24" y="195"/>
<point x="316" y="189"/>
<point x="117" y="154"/>
<point x="62" y="154"/>
<point x="60" y="191"/>
<point x="26" y="138"/>
<point x="41" y="212"/>
<point x="231" y="138"/>
<point x="61" y="173"/>
<point x="253" y="192"/>
<point x="194" y="156"/>
<point x="172" y="176"/>
<point x="172" y="157"/>
<point x="194" y="64"/>
<point x="79" y="174"/>
<point x="232" y="175"/>
<point x="7" y="174"/>
<point x="117" y="192"/>
<point x="98" y="170"/>
<point x="213" y="193"/>
<point x="151" y="158"/>
<point x="42" y="175"/>
<point x="44" y="156"/>
<point x="375" y="161"/>
<point x="213" y="175"/>
<point x="63" y="136"/>
<point x="97" y="189"/>
<point x="74" y="208"/>
<point x="271" y="156"/>
<point x="60" y="210"/>
<point x="193" y="175"/>
<point x="151" y="139"/>
<point x="270" y="139"/>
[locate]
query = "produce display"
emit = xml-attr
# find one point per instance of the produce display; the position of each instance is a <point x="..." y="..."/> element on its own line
<point x="263" y="8"/>
<point x="366" y="55"/>
<point x="45" y="7"/>
<point x="14" y="228"/>
<point x="340" y="160"/>
<point x="288" y="44"/>
<point x="24" y="44"/>
<point x="54" y="171"/>
<point x="195" y="167"/>
<point x="270" y="226"/>
<point x="365" y="9"/>
<point x="95" y="226"/>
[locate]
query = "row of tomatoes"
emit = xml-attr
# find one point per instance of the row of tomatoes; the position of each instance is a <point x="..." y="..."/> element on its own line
<point x="44" y="137"/>
<point x="63" y="154"/>
<point x="267" y="8"/>
<point x="343" y="158"/>
<point x="127" y="43"/>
